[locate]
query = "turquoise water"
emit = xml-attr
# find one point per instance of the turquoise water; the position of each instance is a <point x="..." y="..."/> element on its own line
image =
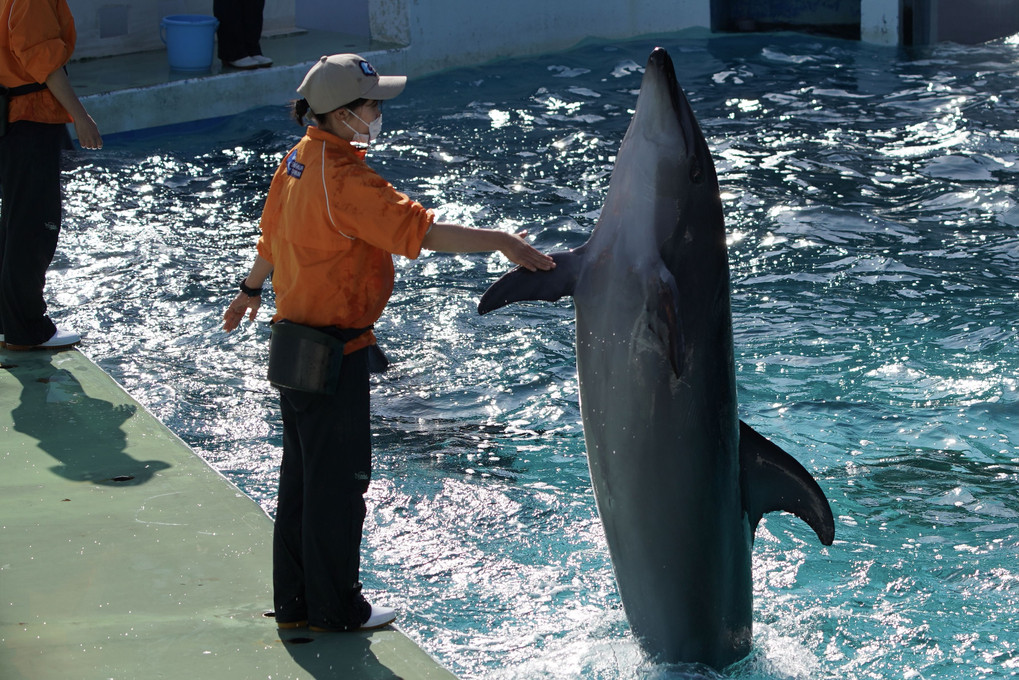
<point x="872" y="200"/>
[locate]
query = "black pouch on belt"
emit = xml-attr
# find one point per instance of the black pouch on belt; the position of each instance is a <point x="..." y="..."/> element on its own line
<point x="5" y="100"/>
<point x="306" y="358"/>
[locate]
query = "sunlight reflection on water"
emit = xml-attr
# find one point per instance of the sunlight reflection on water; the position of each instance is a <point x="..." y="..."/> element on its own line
<point x="872" y="204"/>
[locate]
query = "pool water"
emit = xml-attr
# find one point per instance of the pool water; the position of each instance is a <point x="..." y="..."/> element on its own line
<point x="872" y="202"/>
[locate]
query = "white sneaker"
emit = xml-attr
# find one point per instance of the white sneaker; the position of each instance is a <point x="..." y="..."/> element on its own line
<point x="262" y="60"/>
<point x="381" y="616"/>
<point x="244" y="63"/>
<point x="62" y="339"/>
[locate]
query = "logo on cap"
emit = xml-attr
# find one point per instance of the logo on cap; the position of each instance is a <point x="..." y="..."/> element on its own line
<point x="367" y="69"/>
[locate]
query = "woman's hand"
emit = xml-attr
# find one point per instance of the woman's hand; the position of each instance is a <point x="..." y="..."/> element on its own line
<point x="88" y="133"/>
<point x="518" y="251"/>
<point x="235" y="312"/>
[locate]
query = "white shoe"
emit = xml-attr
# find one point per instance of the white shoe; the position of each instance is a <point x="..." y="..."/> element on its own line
<point x="244" y="63"/>
<point x="381" y="616"/>
<point x="262" y="60"/>
<point x="62" y="339"/>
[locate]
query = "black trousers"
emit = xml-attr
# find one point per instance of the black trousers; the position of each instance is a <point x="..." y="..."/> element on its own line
<point x="320" y="510"/>
<point x="29" y="226"/>
<point x="240" y="27"/>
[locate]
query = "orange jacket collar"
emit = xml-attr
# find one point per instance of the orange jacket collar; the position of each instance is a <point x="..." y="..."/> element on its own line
<point x="329" y="138"/>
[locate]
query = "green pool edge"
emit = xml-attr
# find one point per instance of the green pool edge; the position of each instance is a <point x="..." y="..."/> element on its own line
<point x="124" y="555"/>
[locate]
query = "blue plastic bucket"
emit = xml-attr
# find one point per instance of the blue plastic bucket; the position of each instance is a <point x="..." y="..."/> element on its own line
<point x="189" y="40"/>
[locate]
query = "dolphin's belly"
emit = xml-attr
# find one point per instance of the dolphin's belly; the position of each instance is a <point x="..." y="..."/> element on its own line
<point x="663" y="454"/>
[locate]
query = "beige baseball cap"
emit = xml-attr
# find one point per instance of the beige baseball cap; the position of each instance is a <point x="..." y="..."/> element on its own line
<point x="339" y="79"/>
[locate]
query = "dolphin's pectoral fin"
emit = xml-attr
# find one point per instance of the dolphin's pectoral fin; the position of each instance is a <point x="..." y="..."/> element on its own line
<point x="774" y="480"/>
<point x="520" y="284"/>
<point x="663" y="310"/>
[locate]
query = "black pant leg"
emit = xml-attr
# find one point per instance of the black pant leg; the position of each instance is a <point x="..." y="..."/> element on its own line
<point x="334" y="440"/>
<point x="29" y="227"/>
<point x="287" y="551"/>
<point x="253" y="27"/>
<point x="230" y="32"/>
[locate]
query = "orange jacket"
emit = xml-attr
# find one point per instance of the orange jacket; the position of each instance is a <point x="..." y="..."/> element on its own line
<point x="36" y="38"/>
<point x="329" y="228"/>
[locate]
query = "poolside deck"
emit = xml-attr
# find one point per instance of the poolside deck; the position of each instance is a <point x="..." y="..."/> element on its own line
<point x="138" y="91"/>
<point x="123" y="555"/>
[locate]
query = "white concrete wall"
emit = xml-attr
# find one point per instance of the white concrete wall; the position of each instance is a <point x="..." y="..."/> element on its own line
<point x="879" y="21"/>
<point x="438" y="34"/>
<point x="442" y="32"/>
<point x="337" y="16"/>
<point x="449" y="33"/>
<point x="109" y="27"/>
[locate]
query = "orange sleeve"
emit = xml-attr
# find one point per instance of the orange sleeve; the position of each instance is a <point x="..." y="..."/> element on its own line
<point x="271" y="213"/>
<point x="263" y="248"/>
<point x="363" y="205"/>
<point x="38" y="43"/>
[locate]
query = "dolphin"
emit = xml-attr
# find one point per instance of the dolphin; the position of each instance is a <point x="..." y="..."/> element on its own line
<point x="680" y="482"/>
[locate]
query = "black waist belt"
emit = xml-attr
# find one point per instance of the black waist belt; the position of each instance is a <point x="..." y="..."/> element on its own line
<point x="6" y="93"/>
<point x="23" y="89"/>
<point x="307" y="358"/>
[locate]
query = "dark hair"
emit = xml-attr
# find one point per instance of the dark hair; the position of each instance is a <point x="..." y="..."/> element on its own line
<point x="301" y="109"/>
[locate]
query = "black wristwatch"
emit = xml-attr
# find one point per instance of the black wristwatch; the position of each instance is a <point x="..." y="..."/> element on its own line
<point x="250" y="292"/>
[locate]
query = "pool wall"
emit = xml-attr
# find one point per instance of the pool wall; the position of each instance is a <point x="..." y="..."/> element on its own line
<point x="463" y="32"/>
<point x="405" y="36"/>
<point x="111" y="27"/>
<point x="416" y="37"/>
<point x="450" y="33"/>
<point x="457" y="32"/>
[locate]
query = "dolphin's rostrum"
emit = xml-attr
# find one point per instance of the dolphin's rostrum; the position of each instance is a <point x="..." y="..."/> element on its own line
<point x="680" y="482"/>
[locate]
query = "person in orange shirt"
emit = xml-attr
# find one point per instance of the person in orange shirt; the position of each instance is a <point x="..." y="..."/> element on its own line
<point x="330" y="227"/>
<point x="36" y="40"/>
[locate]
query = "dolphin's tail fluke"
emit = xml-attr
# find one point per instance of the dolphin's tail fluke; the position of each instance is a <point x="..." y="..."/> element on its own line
<point x="774" y="480"/>
<point x="519" y="284"/>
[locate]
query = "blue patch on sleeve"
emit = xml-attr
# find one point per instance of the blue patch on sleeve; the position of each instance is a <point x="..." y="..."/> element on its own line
<point x="294" y="169"/>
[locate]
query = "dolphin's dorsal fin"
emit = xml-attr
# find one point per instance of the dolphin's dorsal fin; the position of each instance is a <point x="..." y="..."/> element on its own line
<point x="774" y="480"/>
<point x="520" y="284"/>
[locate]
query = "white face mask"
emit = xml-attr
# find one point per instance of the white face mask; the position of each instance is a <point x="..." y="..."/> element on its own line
<point x="374" y="129"/>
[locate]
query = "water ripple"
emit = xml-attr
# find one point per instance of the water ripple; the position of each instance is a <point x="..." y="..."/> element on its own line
<point x="871" y="199"/>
